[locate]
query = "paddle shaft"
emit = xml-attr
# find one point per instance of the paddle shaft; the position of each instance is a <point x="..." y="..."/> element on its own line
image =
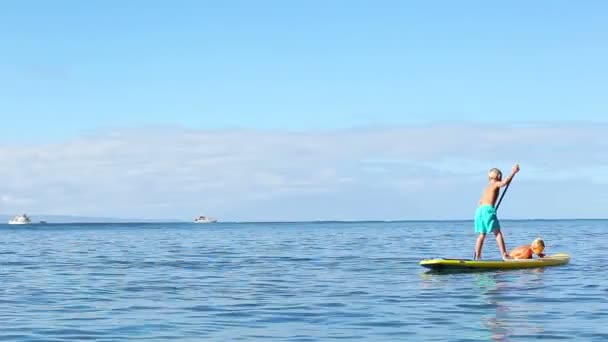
<point x="502" y="195"/>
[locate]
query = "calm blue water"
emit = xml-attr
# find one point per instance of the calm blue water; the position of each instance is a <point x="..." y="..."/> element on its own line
<point x="295" y="282"/>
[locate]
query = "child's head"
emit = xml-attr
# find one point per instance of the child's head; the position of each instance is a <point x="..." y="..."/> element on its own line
<point x="495" y="174"/>
<point x="537" y="246"/>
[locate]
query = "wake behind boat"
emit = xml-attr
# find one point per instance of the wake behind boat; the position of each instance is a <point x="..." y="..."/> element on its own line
<point x="21" y="219"/>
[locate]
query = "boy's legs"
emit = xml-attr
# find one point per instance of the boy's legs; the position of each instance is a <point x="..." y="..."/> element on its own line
<point x="500" y="241"/>
<point x="479" y="246"/>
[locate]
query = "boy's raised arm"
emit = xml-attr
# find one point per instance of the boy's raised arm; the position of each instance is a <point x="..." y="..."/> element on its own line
<point x="510" y="177"/>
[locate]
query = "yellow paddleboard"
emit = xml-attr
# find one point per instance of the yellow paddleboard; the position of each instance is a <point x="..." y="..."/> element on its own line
<point x="469" y="264"/>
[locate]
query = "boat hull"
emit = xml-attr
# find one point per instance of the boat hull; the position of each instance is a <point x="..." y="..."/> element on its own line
<point x="206" y="221"/>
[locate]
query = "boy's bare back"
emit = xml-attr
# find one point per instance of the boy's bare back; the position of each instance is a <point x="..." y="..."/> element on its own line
<point x="490" y="193"/>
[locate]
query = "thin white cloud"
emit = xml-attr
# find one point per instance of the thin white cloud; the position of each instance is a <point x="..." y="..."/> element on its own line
<point x="361" y="173"/>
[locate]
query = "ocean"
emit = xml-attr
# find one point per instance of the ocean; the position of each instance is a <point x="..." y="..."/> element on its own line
<point x="357" y="281"/>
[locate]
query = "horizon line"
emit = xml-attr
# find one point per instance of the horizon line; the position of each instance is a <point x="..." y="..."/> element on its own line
<point x="161" y="221"/>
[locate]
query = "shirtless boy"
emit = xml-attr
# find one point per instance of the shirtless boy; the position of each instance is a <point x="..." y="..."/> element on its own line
<point x="486" y="220"/>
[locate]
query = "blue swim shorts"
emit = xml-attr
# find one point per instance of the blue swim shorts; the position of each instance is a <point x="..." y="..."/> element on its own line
<point x="486" y="220"/>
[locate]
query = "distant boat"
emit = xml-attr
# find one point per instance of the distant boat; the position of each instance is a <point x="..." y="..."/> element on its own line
<point x="21" y="219"/>
<point x="204" y="219"/>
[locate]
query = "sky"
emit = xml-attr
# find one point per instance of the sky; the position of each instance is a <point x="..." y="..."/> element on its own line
<point x="302" y="110"/>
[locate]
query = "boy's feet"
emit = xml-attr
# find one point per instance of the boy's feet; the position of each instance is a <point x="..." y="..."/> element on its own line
<point x="507" y="257"/>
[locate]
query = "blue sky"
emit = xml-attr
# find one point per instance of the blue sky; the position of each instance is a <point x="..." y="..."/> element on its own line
<point x="73" y="71"/>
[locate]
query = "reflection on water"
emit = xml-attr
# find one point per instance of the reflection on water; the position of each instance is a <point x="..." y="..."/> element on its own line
<point x="489" y="285"/>
<point x="507" y="303"/>
<point x="509" y="317"/>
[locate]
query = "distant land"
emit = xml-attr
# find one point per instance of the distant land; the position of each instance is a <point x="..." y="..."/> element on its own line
<point x="82" y="219"/>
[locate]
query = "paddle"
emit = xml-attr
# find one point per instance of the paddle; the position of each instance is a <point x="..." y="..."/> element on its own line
<point x="502" y="195"/>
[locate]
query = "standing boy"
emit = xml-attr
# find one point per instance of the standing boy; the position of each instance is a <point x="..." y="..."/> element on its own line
<point x="486" y="220"/>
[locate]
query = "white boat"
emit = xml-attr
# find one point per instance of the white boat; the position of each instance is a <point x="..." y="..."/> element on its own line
<point x="204" y="219"/>
<point x="21" y="219"/>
